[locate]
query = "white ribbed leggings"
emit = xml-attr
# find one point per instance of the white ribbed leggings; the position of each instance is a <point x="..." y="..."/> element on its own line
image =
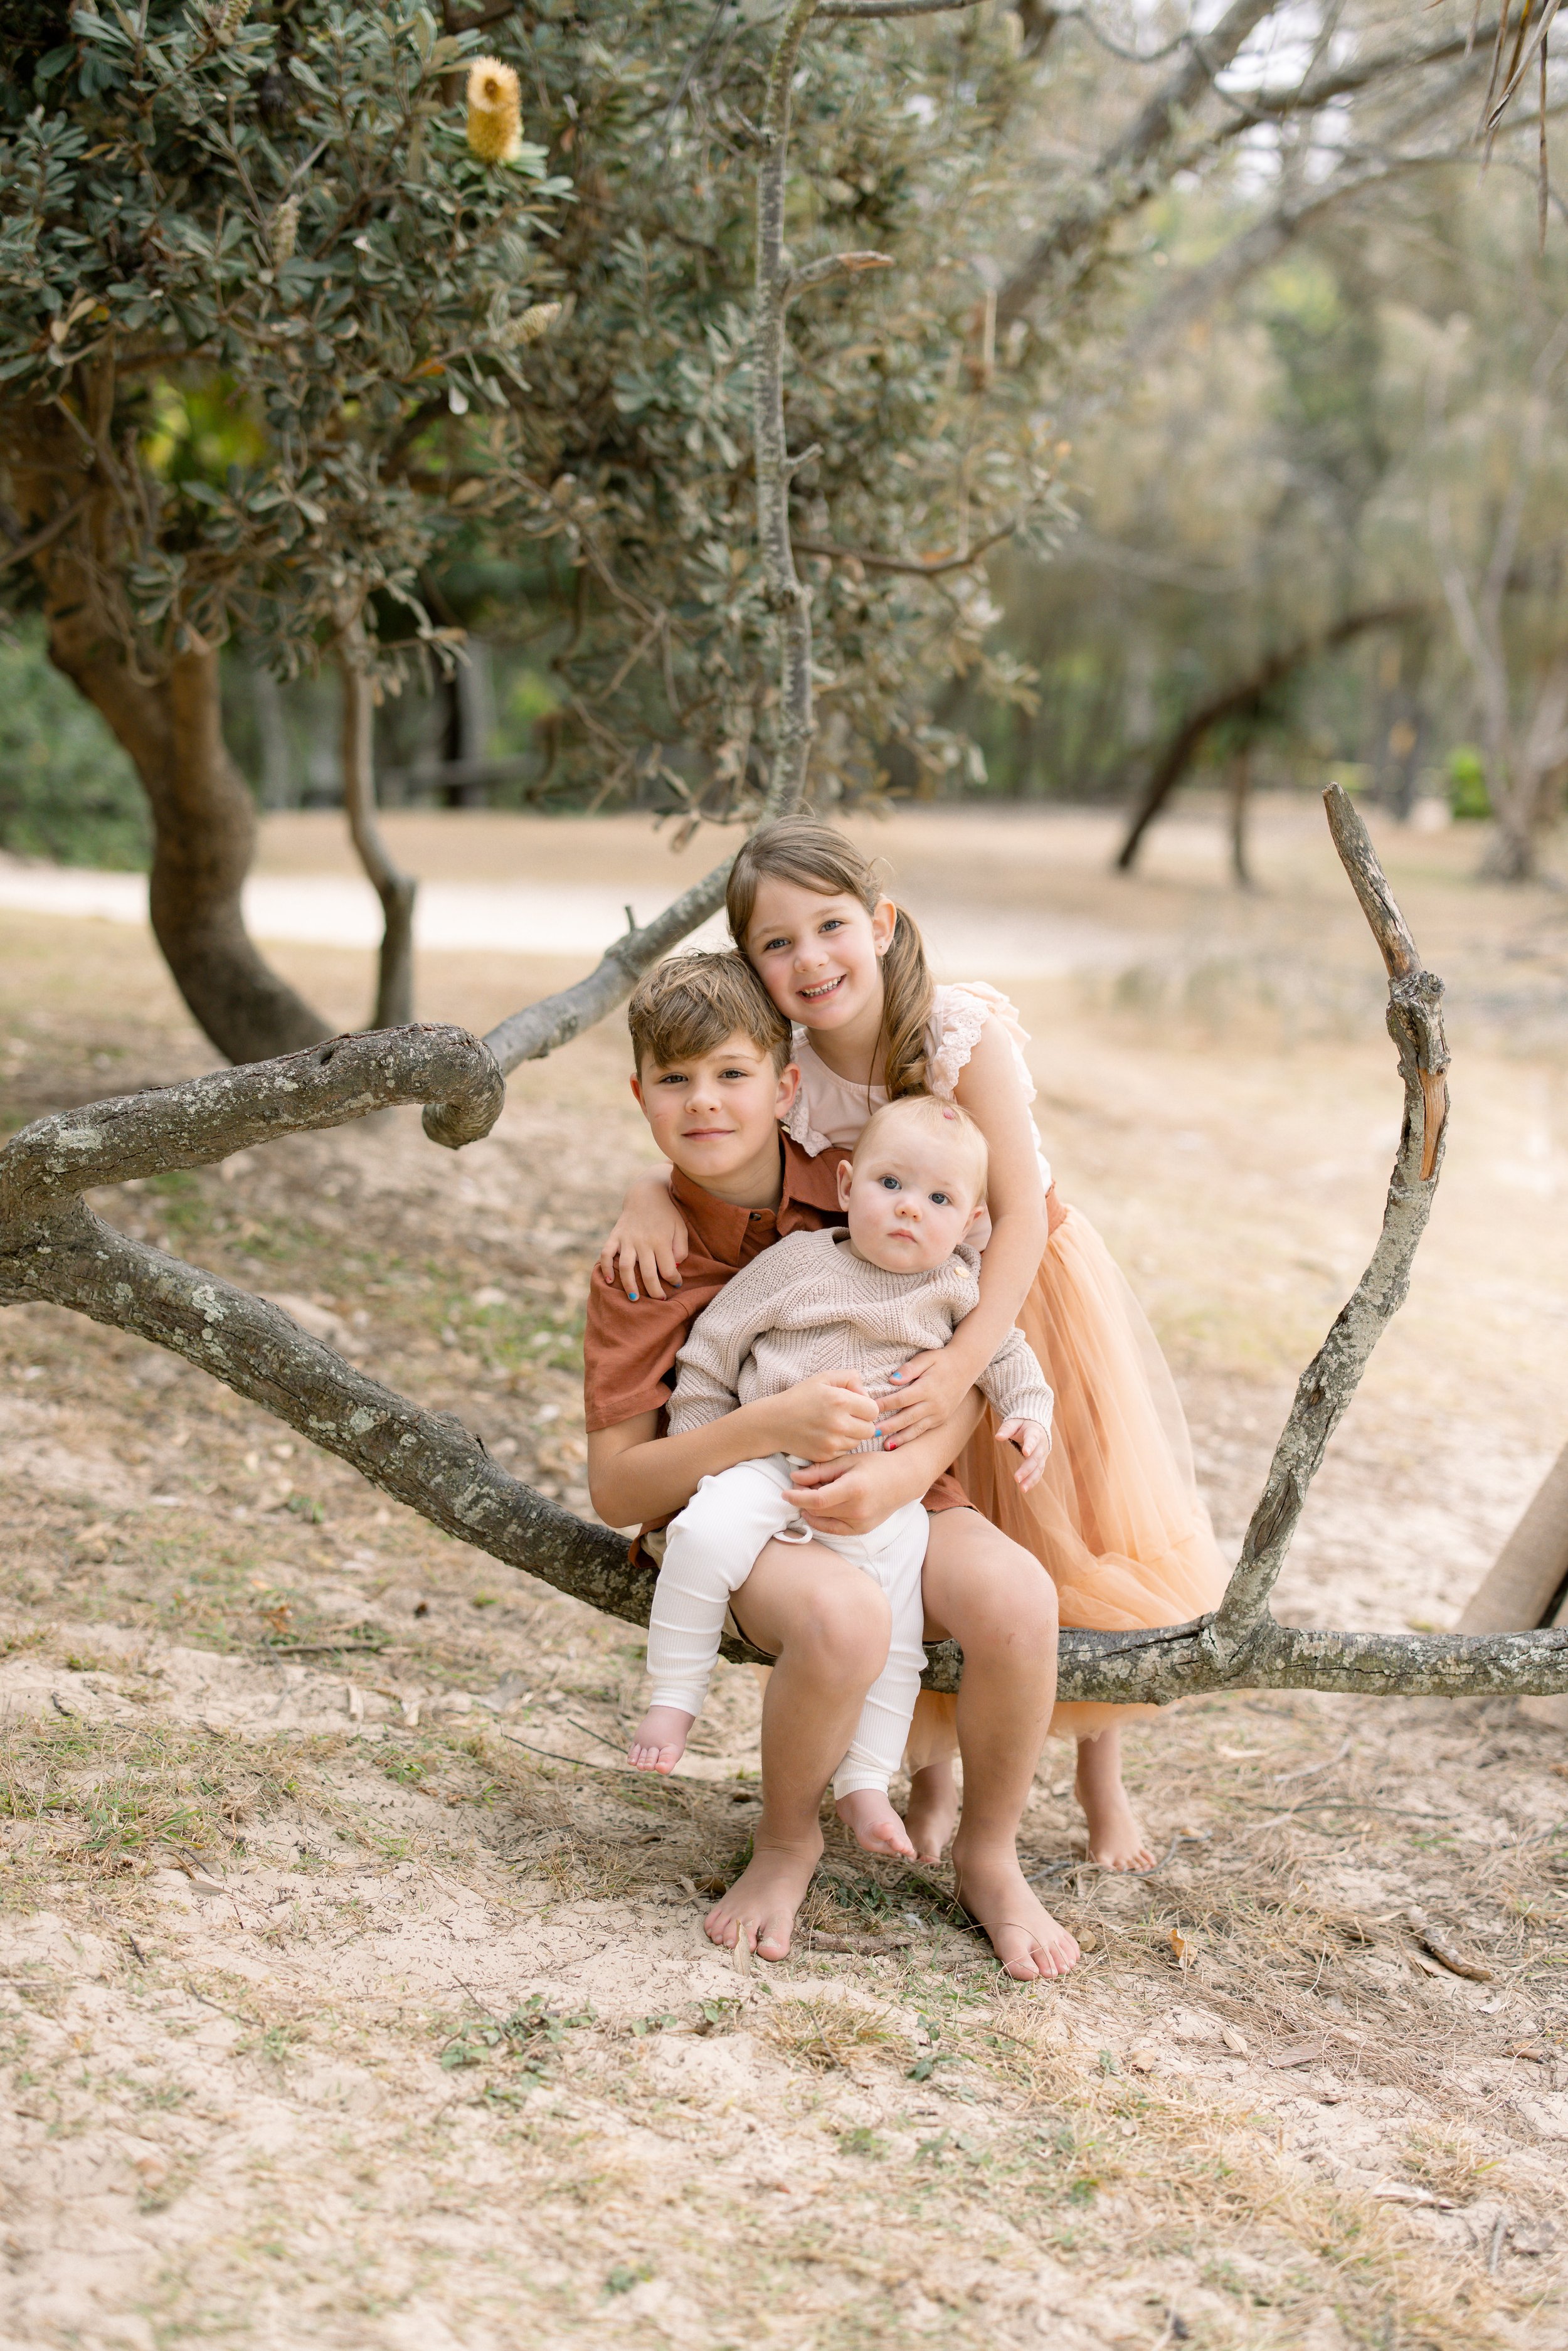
<point x="710" y="1551"/>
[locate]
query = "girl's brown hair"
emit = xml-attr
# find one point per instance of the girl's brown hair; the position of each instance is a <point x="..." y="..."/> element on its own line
<point x="803" y="849"/>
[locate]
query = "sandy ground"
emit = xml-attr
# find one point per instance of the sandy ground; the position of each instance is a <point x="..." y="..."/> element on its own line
<point x="352" y="1995"/>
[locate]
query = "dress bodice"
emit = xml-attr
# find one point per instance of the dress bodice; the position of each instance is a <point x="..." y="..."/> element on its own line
<point x="829" y="1112"/>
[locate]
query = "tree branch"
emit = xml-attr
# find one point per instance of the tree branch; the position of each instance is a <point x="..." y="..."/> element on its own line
<point x="395" y="888"/>
<point x="909" y="567"/>
<point x="1247" y="695"/>
<point x="54" y="1250"/>
<point x="866" y="11"/>
<point x="1330" y="1380"/>
<point x="1130" y="167"/>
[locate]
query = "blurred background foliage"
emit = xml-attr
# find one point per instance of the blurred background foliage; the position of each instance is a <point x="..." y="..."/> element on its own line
<point x="1194" y="511"/>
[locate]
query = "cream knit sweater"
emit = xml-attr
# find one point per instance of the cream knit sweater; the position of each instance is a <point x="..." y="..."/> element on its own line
<point x="809" y="1304"/>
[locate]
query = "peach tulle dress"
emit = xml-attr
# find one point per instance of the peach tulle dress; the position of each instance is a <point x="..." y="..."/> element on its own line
<point x="1116" y="1519"/>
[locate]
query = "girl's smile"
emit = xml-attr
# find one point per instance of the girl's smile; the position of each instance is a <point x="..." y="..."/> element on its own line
<point x="818" y="956"/>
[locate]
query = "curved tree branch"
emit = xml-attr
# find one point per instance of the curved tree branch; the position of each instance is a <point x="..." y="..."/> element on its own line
<point x="54" y="1249"/>
<point x="1246" y="695"/>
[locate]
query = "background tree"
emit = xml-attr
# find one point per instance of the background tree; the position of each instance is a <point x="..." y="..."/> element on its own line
<point x="281" y="359"/>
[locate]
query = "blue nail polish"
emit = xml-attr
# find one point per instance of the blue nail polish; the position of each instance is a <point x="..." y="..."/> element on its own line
<point x="631" y="1295"/>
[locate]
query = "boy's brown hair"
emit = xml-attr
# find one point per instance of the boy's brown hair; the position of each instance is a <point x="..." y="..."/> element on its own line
<point x="689" y="1004"/>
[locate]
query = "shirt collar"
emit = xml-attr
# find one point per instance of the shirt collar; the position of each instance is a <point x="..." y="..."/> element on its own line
<point x="718" y="1226"/>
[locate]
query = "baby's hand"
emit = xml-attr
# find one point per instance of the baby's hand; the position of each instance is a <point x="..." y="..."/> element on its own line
<point x="1032" y="1443"/>
<point x="649" y="1241"/>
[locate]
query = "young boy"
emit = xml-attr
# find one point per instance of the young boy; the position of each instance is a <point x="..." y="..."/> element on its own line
<point x="713" y="1079"/>
<point x="900" y="1281"/>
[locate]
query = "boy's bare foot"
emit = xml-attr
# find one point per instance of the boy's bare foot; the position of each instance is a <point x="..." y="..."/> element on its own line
<point x="1025" y="1938"/>
<point x="876" y="1826"/>
<point x="659" y="1741"/>
<point x="761" y="1903"/>
<point x="931" y="1815"/>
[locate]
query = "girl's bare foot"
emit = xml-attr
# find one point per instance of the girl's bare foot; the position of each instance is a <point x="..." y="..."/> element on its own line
<point x="761" y="1903"/>
<point x="877" y="1827"/>
<point x="659" y="1741"/>
<point x="1025" y="1938"/>
<point x="931" y="1815"/>
<point x="1116" y="1837"/>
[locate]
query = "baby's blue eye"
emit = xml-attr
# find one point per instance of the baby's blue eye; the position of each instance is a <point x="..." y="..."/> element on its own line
<point x="942" y="1199"/>
<point x="888" y="1182"/>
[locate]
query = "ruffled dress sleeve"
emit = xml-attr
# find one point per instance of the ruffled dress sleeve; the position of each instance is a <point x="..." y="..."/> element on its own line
<point x="958" y="1014"/>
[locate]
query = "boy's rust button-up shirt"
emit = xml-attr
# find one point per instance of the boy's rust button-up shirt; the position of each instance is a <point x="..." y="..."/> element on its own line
<point x="629" y="1347"/>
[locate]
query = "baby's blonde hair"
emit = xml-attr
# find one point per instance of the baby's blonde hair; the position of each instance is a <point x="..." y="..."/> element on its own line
<point x="939" y="1118"/>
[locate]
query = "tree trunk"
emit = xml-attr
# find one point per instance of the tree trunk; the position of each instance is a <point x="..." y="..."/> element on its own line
<point x="395" y="985"/>
<point x="169" y="721"/>
<point x="1241" y="794"/>
<point x="1510" y="854"/>
<point x="203" y="833"/>
<point x="1527" y="1582"/>
<point x="272" y="735"/>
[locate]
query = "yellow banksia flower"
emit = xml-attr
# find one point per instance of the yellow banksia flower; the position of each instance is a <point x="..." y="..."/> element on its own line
<point x="495" y="111"/>
<point x="537" y="320"/>
<point x="233" y="16"/>
<point x="285" y="230"/>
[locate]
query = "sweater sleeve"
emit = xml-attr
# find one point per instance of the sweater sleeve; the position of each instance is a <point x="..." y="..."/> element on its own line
<point x="1014" y="1384"/>
<point x="708" y="1367"/>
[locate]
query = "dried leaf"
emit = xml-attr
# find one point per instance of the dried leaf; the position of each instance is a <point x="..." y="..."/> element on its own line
<point x="1297" y="2053"/>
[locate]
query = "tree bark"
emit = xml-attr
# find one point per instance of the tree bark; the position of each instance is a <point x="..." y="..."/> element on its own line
<point x="169" y="721"/>
<point x="395" y="888"/>
<point x="1528" y="1582"/>
<point x="204" y="836"/>
<point x="52" y="1249"/>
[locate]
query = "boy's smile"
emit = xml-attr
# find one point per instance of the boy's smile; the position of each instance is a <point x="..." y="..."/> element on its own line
<point x="716" y="1115"/>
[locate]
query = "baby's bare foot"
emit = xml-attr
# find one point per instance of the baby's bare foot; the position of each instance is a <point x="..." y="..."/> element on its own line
<point x="659" y="1741"/>
<point x="877" y="1827"/>
<point x="760" y="1906"/>
<point x="931" y="1815"/>
<point x="1025" y="1938"/>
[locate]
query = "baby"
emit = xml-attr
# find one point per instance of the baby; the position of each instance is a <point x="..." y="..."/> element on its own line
<point x="899" y="1280"/>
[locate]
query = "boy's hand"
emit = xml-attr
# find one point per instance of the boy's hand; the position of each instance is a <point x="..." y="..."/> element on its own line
<point x="821" y="1417"/>
<point x="649" y="1241"/>
<point x="923" y="1396"/>
<point x="1032" y="1443"/>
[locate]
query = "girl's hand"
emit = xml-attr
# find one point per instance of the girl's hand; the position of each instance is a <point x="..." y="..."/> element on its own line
<point x="821" y="1417"/>
<point x="923" y="1396"/>
<point x="649" y="1241"/>
<point x="1033" y="1444"/>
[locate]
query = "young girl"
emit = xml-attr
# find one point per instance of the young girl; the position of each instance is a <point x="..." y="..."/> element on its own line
<point x="1116" y="1517"/>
